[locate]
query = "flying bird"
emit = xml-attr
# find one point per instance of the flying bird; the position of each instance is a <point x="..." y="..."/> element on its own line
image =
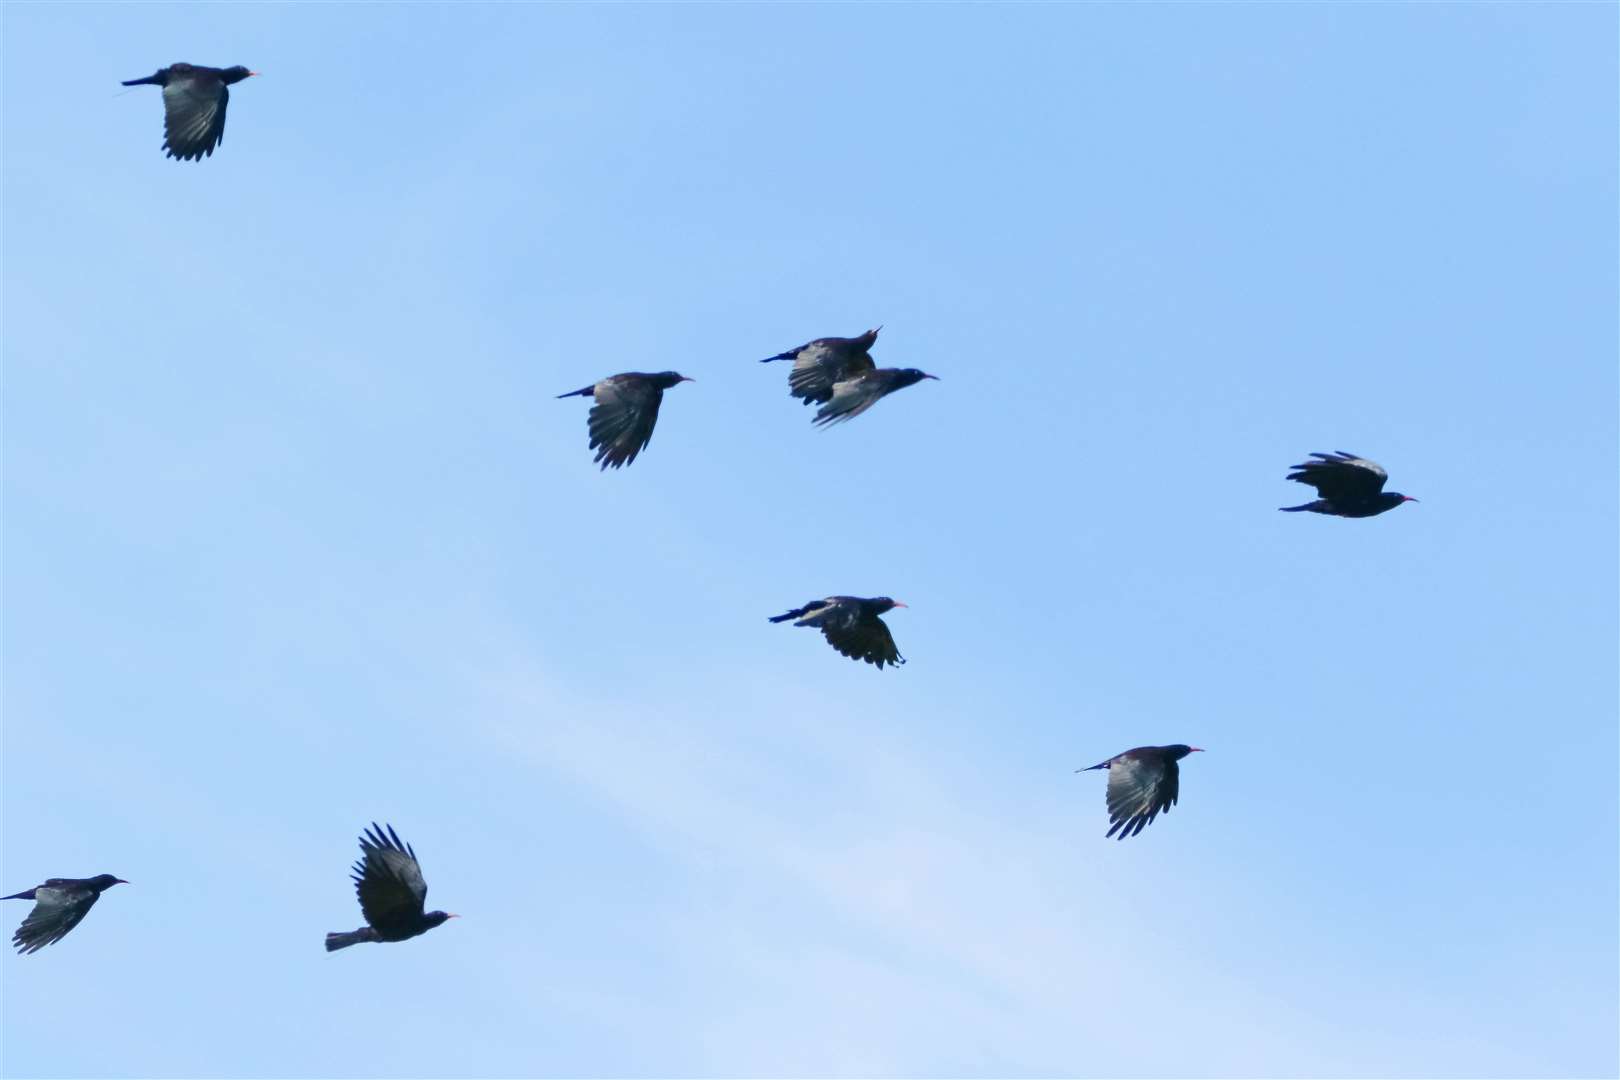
<point x="818" y="364"/>
<point x="1141" y="783"/>
<point x="851" y="625"/>
<point x="1349" y="486"/>
<point x="59" y="905"/>
<point x="839" y="375"/>
<point x="388" y="880"/>
<point x="194" y="100"/>
<point x="624" y="414"/>
<point x="854" y="395"/>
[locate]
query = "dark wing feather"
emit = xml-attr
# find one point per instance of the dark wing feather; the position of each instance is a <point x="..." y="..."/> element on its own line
<point x="863" y="639"/>
<point x="823" y="363"/>
<point x="194" y="116"/>
<point x="622" y="419"/>
<point x="1139" y="788"/>
<point x="1341" y="476"/>
<point x="56" y="910"/>
<point x="389" y="880"/>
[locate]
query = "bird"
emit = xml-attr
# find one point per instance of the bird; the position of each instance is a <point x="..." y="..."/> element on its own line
<point x="854" y="395"/>
<point x="1349" y="486"/>
<point x="818" y="364"/>
<point x="194" y="101"/>
<point x="626" y="409"/>
<point x="851" y="625"/>
<point x="839" y="375"/>
<point x="388" y="880"/>
<point x="59" y="905"/>
<point x="1141" y="783"/>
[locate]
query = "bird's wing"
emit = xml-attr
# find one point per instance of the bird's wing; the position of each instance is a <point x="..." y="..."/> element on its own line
<point x="1341" y="475"/>
<point x="850" y="397"/>
<point x="57" y="909"/>
<point x="622" y="419"/>
<point x="863" y="639"/>
<point x="820" y="365"/>
<point x="1138" y="789"/>
<point x="194" y="116"/>
<point x="388" y="880"/>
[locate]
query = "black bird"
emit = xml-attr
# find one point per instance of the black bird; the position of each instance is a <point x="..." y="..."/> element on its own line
<point x="818" y="364"/>
<point x="1141" y="783"/>
<point x="389" y="883"/>
<point x="839" y="375"/>
<point x="851" y="625"/>
<point x="59" y="905"/>
<point x="856" y="394"/>
<point x="194" y="100"/>
<point x="624" y="414"/>
<point x="1349" y="486"/>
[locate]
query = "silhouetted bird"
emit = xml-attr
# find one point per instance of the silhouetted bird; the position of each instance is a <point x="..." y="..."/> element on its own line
<point x="59" y="905"/>
<point x="851" y="625"/>
<point x="626" y="409"/>
<point x="194" y="100"/>
<point x="818" y="364"/>
<point x="856" y="394"/>
<point x="839" y="375"/>
<point x="1349" y="486"/>
<point x="389" y="883"/>
<point x="1141" y="783"/>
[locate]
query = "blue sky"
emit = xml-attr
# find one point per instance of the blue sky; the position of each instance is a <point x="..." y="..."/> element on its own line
<point x="297" y="537"/>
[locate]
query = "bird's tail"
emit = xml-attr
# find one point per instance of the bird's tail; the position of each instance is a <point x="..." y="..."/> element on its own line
<point x="150" y="80"/>
<point x="1317" y="506"/>
<point x="589" y="391"/>
<point x="796" y="613"/>
<point x="789" y="355"/>
<point x="26" y="894"/>
<point x="334" y="942"/>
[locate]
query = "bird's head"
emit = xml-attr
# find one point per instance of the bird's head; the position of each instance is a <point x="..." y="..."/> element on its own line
<point x="102" y="882"/>
<point x="884" y="603"/>
<point x="907" y="376"/>
<point x="1397" y="498"/>
<point x="1181" y="750"/>
<point x="869" y="338"/>
<point x="667" y="379"/>
<point x="438" y="918"/>
<point x="235" y="74"/>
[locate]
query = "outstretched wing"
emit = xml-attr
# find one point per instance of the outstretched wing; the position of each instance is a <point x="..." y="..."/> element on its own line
<point x="57" y="909"/>
<point x="822" y="364"/>
<point x="1341" y="476"/>
<point x="194" y="116"/>
<point x="622" y="419"/>
<point x="863" y="639"/>
<point x="1138" y="789"/>
<point x="389" y="880"/>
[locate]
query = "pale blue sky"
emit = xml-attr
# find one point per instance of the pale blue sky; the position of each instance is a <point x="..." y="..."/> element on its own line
<point x="296" y="537"/>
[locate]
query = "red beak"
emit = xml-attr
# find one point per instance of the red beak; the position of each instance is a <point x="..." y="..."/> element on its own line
<point x="899" y="604"/>
<point x="1408" y="498"/>
<point x="1195" y="749"/>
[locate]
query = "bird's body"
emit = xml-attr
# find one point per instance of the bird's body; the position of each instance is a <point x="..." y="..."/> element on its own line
<point x="819" y="364"/>
<point x="60" y="904"/>
<point x="392" y="892"/>
<point x="1142" y="783"/>
<point x="1349" y="486"/>
<point x="194" y="102"/>
<point x="851" y="625"/>
<point x="854" y="395"/>
<point x="621" y="421"/>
